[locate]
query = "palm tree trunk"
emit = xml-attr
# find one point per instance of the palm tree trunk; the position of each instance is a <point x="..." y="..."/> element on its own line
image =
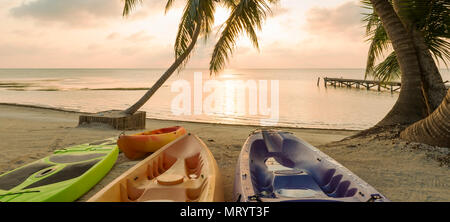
<point x="433" y="87"/>
<point x="410" y="106"/>
<point x="433" y="130"/>
<point x="135" y="107"/>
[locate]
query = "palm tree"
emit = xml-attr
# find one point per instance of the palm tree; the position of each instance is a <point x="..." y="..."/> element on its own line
<point x="197" y="20"/>
<point x="410" y="106"/>
<point x="427" y="21"/>
<point x="433" y="130"/>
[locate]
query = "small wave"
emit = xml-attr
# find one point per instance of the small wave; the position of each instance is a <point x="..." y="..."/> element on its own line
<point x="15" y="89"/>
<point x="46" y="89"/>
<point x="14" y="85"/>
<point x="28" y="88"/>
<point x="122" y="88"/>
<point x="118" y="89"/>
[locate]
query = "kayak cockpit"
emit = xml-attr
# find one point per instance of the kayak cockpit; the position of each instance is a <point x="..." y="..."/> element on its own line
<point x="167" y="178"/>
<point x="295" y="183"/>
<point x="284" y="168"/>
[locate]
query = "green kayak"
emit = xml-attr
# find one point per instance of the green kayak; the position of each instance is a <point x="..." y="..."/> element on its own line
<point x="64" y="176"/>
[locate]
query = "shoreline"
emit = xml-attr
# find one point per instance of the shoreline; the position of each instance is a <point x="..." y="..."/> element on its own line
<point x="186" y="121"/>
<point x="48" y="129"/>
<point x="401" y="171"/>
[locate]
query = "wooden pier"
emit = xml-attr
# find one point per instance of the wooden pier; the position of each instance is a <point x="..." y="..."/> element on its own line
<point x="368" y="84"/>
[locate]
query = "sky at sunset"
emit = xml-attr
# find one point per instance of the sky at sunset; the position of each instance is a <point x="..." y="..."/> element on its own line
<point x="93" y="34"/>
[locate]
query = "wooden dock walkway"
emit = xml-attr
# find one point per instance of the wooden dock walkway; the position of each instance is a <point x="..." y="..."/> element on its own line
<point x="368" y="84"/>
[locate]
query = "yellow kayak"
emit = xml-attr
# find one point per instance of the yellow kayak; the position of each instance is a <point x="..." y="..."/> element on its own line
<point x="182" y="171"/>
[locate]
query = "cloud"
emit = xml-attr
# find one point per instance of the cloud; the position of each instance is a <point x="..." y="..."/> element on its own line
<point x="278" y="11"/>
<point x="326" y="36"/>
<point x="345" y="18"/>
<point x="79" y="13"/>
<point x="74" y="12"/>
<point x="141" y="36"/>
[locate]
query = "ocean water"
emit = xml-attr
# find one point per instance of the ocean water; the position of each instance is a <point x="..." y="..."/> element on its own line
<point x="301" y="103"/>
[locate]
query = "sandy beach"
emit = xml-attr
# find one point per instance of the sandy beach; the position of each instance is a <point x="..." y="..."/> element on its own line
<point x="399" y="170"/>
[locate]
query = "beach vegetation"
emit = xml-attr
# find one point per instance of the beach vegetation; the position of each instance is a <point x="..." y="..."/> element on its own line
<point x="432" y="20"/>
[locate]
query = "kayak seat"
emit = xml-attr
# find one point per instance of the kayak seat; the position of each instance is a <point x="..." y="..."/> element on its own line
<point x="299" y="181"/>
<point x="169" y="179"/>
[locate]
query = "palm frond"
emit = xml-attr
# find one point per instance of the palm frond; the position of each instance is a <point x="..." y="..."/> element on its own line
<point x="129" y="6"/>
<point x="196" y="12"/>
<point x="168" y="5"/>
<point x="379" y="43"/>
<point x="371" y="19"/>
<point x="186" y="27"/>
<point x="246" y="16"/>
<point x="440" y="49"/>
<point x="430" y="17"/>
<point x="388" y="70"/>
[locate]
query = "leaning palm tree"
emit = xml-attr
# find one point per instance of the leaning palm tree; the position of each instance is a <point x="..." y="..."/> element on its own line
<point x="197" y="20"/>
<point x="427" y="21"/>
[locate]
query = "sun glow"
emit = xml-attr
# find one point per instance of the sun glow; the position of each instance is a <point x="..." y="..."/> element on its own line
<point x="221" y="15"/>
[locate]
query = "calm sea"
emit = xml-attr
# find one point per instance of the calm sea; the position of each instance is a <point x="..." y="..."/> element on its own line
<point x="301" y="102"/>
